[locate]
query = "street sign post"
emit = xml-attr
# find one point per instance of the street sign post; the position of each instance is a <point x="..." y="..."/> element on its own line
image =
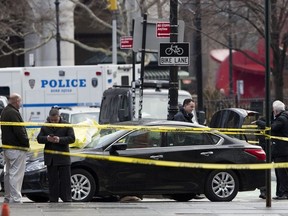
<point x="151" y="34"/>
<point x="174" y="54"/>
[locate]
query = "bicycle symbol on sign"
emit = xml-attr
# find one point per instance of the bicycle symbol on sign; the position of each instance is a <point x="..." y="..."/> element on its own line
<point x="174" y="49"/>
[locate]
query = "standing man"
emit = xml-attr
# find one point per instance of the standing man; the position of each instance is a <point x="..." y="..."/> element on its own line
<point x="58" y="166"/>
<point x="279" y="127"/>
<point x="15" y="144"/>
<point x="185" y="112"/>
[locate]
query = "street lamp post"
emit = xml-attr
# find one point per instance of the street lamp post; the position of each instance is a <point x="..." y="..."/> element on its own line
<point x="57" y="34"/>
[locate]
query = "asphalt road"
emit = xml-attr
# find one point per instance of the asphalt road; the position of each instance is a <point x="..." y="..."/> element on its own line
<point x="246" y="203"/>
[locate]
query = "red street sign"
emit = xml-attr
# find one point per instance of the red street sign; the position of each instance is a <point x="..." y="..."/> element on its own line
<point x="163" y="30"/>
<point x="126" y="42"/>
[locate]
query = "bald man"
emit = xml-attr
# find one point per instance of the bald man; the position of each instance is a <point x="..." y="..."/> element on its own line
<point x="16" y="141"/>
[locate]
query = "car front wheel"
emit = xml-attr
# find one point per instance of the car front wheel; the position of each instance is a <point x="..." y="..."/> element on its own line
<point x="83" y="186"/>
<point x="221" y="186"/>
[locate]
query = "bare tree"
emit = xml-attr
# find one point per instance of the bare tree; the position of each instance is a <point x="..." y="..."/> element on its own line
<point x="20" y="18"/>
<point x="248" y="21"/>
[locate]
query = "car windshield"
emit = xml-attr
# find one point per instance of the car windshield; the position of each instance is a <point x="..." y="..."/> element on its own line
<point x="80" y="117"/>
<point x="101" y="140"/>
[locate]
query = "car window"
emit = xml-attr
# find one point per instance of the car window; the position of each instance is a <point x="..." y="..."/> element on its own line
<point x="142" y="139"/>
<point x="65" y="116"/>
<point x="80" y="117"/>
<point x="186" y="139"/>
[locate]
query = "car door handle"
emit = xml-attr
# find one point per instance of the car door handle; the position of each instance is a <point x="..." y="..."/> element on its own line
<point x="206" y="153"/>
<point x="156" y="157"/>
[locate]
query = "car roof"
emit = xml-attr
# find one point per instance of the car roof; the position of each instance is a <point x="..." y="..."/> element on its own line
<point x="150" y="122"/>
<point x="79" y="109"/>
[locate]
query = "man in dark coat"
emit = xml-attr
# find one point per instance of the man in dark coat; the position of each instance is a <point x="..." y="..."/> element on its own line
<point x="185" y="112"/>
<point x="279" y="127"/>
<point x="58" y="166"/>
<point x="15" y="144"/>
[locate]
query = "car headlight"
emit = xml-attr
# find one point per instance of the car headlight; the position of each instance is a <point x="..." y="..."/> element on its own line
<point x="35" y="165"/>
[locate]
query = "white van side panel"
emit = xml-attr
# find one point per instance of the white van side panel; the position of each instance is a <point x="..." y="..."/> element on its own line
<point x="64" y="86"/>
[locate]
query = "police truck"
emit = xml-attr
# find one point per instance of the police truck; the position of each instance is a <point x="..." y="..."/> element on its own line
<point x="63" y="86"/>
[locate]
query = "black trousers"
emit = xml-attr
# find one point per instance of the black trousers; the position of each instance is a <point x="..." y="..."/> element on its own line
<point x="281" y="177"/>
<point x="59" y="178"/>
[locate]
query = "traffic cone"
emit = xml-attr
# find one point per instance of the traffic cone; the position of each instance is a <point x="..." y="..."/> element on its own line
<point x="5" y="210"/>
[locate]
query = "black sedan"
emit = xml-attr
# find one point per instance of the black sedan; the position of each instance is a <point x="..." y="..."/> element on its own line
<point x="94" y="177"/>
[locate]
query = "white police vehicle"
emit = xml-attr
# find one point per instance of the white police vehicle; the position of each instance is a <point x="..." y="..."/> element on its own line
<point x="64" y="86"/>
<point x="75" y="115"/>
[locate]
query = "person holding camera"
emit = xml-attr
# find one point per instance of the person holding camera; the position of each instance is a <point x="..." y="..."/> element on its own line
<point x="58" y="165"/>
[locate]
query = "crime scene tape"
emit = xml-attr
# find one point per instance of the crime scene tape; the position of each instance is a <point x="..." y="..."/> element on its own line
<point x="173" y="163"/>
<point x="159" y="163"/>
<point x="133" y="160"/>
<point x="247" y="130"/>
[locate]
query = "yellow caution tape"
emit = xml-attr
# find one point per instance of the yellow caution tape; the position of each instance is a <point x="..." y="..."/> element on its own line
<point x="173" y="163"/>
<point x="247" y="130"/>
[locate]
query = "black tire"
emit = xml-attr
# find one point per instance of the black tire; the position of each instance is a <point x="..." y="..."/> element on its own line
<point x="182" y="197"/>
<point x="221" y="186"/>
<point x="37" y="198"/>
<point x="83" y="185"/>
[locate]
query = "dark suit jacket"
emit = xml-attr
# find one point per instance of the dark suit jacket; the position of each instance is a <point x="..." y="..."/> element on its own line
<point x="67" y="137"/>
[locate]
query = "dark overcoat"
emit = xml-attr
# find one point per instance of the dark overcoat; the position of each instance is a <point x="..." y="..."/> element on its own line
<point x="67" y="137"/>
<point x="13" y="135"/>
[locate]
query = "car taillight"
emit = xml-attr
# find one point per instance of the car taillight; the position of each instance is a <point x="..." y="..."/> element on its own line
<point x="258" y="153"/>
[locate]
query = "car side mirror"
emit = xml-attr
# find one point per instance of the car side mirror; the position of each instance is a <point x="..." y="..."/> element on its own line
<point x="116" y="147"/>
<point x="201" y="117"/>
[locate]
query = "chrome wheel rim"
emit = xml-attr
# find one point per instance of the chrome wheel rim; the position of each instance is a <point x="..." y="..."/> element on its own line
<point x="80" y="187"/>
<point x="223" y="184"/>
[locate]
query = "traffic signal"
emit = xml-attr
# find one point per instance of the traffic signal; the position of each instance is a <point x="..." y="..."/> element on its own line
<point x="112" y="5"/>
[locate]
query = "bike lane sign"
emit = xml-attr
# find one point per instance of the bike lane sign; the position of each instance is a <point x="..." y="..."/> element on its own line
<point x="174" y="54"/>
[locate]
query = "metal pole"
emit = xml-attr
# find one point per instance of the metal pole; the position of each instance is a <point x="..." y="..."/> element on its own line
<point x="143" y="53"/>
<point x="173" y="80"/>
<point x="58" y="34"/>
<point x="114" y="38"/>
<point x="267" y="99"/>
<point x="231" y="92"/>
<point x="198" y="51"/>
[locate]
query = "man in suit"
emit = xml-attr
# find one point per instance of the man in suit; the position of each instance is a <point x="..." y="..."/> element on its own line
<point x="58" y="166"/>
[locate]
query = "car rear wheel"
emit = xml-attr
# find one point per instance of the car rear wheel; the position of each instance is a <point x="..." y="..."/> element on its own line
<point x="37" y="198"/>
<point x="221" y="186"/>
<point x="83" y="186"/>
